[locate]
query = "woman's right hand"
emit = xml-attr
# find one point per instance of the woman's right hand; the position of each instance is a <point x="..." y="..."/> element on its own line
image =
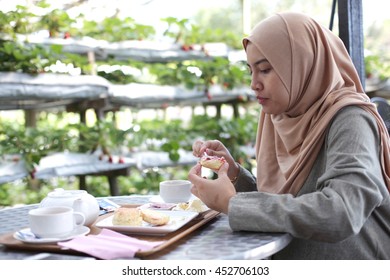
<point x="217" y="193"/>
<point x="216" y="148"/>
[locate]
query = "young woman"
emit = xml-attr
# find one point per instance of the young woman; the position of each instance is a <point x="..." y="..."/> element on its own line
<point x="322" y="150"/>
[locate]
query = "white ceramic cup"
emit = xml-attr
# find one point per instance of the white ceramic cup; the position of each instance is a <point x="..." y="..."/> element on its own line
<point x="54" y="221"/>
<point x="175" y="191"/>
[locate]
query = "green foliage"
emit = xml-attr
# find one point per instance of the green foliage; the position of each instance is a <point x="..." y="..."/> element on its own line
<point x="117" y="77"/>
<point x="56" y="21"/>
<point x="203" y="34"/>
<point x="78" y="61"/>
<point x="159" y="135"/>
<point x="186" y="33"/>
<point x="377" y="66"/>
<point x="24" y="58"/>
<point x="33" y="143"/>
<point x="171" y="73"/>
<point x="16" y="22"/>
<point x="103" y="135"/>
<point x="221" y="71"/>
<point x="27" y="191"/>
<point x="202" y="74"/>
<point x="115" y="30"/>
<point x="177" y="29"/>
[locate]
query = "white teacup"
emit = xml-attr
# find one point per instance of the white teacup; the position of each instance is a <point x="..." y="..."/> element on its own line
<point x="175" y="191"/>
<point x="54" y="221"/>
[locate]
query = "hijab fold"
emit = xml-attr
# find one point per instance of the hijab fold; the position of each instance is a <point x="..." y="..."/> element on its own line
<point x="321" y="79"/>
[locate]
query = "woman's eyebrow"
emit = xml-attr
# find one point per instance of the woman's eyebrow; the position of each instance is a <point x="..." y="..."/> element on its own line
<point x="258" y="62"/>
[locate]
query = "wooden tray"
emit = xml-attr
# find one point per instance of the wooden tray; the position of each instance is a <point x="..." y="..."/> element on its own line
<point x="10" y="242"/>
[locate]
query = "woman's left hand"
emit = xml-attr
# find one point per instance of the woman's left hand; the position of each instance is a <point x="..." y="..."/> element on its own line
<point x="214" y="193"/>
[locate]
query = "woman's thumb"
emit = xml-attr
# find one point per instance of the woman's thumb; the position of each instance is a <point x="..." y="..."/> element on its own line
<point x="223" y="169"/>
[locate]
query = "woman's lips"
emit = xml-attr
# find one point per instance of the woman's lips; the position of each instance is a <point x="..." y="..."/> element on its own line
<point x="261" y="100"/>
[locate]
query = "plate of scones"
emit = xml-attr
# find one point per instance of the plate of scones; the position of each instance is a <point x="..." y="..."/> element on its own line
<point x="146" y="221"/>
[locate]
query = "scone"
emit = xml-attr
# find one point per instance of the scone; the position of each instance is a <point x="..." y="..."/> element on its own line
<point x="127" y="217"/>
<point x="212" y="162"/>
<point x="154" y="217"/>
<point x="195" y="205"/>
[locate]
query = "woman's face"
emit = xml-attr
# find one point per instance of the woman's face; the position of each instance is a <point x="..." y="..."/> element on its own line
<point x="270" y="91"/>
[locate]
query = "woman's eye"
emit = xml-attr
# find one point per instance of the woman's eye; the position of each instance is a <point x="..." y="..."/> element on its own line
<point x="265" y="71"/>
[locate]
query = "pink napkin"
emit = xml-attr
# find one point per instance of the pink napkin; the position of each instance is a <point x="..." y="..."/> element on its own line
<point x="108" y="245"/>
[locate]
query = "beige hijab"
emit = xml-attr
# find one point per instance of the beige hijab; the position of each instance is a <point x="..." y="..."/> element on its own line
<point x="320" y="77"/>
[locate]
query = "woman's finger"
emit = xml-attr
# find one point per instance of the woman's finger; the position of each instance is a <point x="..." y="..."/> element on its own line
<point x="196" y="147"/>
<point x="194" y="191"/>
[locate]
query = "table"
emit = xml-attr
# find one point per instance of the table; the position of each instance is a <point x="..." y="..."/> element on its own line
<point x="213" y="241"/>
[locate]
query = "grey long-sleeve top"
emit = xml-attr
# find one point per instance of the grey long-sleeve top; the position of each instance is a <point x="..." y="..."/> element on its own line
<point x="343" y="208"/>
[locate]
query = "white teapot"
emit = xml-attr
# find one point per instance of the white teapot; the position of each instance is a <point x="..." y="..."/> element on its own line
<point x="79" y="200"/>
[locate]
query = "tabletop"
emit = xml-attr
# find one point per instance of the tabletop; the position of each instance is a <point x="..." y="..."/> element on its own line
<point x="215" y="240"/>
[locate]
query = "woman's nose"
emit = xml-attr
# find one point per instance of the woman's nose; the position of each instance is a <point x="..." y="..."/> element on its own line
<point x="255" y="85"/>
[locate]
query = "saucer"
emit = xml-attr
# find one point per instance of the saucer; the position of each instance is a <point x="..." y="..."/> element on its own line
<point x="25" y="235"/>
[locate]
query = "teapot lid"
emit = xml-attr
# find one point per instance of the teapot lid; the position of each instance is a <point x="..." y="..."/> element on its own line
<point x="60" y="192"/>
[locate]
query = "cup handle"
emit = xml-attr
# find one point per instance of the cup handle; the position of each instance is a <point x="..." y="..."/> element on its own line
<point x="79" y="218"/>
